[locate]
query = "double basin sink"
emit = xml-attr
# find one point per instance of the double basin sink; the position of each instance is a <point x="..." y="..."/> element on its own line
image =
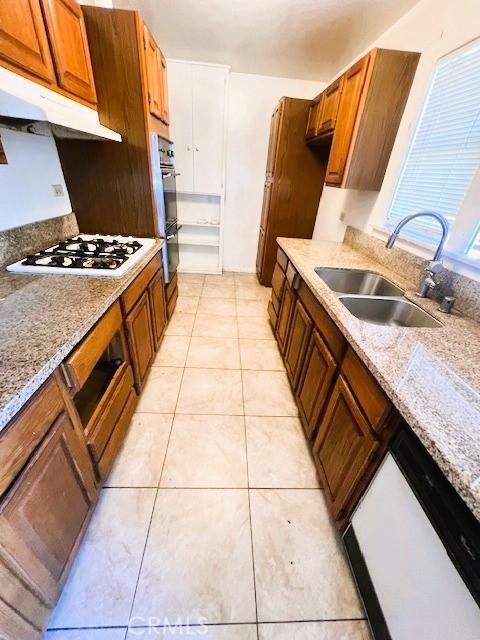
<point x="373" y="298"/>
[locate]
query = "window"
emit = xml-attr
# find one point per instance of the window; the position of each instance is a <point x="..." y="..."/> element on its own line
<point x="444" y="155"/>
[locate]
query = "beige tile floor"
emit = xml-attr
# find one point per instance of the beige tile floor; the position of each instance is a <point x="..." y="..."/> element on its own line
<point x="212" y="523"/>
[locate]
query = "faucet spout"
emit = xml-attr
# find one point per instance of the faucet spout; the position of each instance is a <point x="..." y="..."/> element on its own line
<point x="427" y="214"/>
<point x="427" y="282"/>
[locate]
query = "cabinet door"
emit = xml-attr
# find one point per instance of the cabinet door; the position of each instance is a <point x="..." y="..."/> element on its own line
<point x="163" y="86"/>
<point x="181" y="122"/>
<point x="68" y="40"/>
<point x="156" y="294"/>
<point x="329" y="111"/>
<point x="153" y="75"/>
<point x="315" y="381"/>
<point x="140" y="339"/>
<point x="344" y="447"/>
<point x="285" y="316"/>
<point x="260" y="250"/>
<point x="45" y="512"/>
<point x="208" y="128"/>
<point x="354" y="80"/>
<point x="297" y="342"/>
<point x="23" y="38"/>
<point x="267" y="194"/>
<point x="314" y="114"/>
<point x="273" y="140"/>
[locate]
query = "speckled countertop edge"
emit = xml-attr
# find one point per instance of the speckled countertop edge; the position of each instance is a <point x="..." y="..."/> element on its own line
<point x="23" y="373"/>
<point x="431" y="375"/>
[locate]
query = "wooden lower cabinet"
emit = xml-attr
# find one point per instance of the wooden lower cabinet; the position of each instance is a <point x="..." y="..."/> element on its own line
<point x="140" y="339"/>
<point x="316" y="377"/>
<point x="298" y="338"/>
<point x="285" y="316"/>
<point x="344" y="448"/>
<point x="45" y="511"/>
<point x="171" y="295"/>
<point x="156" y="296"/>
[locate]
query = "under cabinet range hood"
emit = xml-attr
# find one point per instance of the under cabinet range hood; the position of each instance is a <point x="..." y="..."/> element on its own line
<point x="32" y="108"/>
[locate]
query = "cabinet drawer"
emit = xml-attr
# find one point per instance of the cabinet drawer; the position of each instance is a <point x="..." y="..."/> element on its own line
<point x="325" y="325"/>
<point x="104" y="420"/>
<point x="293" y="278"/>
<point x="272" y="314"/>
<point x="138" y="286"/>
<point x="118" y="436"/>
<point x="25" y="432"/>
<point x="81" y="362"/>
<point x="278" y="280"/>
<point x="282" y="259"/>
<point x="373" y="401"/>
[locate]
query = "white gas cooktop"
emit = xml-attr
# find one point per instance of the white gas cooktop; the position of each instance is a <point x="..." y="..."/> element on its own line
<point x="87" y="255"/>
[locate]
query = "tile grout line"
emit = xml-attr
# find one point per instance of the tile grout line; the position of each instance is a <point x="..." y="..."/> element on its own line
<point x="156" y="494"/>
<point x="249" y="506"/>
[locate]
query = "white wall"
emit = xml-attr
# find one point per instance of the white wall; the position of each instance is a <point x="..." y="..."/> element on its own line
<point x="252" y="99"/>
<point x="26" y="193"/>
<point x="434" y="28"/>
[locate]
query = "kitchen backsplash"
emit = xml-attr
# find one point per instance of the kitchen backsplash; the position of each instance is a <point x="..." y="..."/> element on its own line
<point x="466" y="290"/>
<point x="17" y="242"/>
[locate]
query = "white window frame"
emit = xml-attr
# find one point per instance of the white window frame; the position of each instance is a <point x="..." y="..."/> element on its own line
<point x="467" y="220"/>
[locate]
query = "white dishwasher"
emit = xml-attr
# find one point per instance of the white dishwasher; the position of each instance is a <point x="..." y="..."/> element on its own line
<point x="414" y="548"/>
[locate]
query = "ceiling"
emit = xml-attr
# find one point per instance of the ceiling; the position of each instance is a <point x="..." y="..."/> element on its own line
<point x="310" y="39"/>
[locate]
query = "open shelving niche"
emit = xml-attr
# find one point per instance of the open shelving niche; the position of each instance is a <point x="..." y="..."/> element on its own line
<point x="200" y="235"/>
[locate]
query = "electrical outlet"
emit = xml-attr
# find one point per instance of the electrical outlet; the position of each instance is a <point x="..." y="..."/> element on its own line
<point x="58" y="190"/>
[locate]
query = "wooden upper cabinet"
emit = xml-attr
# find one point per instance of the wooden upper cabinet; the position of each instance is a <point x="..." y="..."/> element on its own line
<point x="363" y="109"/>
<point x="354" y="80"/>
<point x="273" y="140"/>
<point x="162" y="70"/>
<point x="153" y="78"/>
<point x="330" y="105"/>
<point x="23" y="39"/>
<point x="69" y="44"/>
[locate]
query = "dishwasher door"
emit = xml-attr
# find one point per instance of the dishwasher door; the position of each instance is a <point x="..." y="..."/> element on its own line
<point x="409" y="584"/>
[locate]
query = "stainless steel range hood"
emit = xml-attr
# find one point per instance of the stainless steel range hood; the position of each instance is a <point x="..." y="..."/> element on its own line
<point x="29" y="107"/>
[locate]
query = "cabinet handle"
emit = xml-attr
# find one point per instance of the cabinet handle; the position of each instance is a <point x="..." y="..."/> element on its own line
<point x="196" y="148"/>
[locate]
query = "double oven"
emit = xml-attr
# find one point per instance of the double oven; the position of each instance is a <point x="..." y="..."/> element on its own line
<point x="163" y="172"/>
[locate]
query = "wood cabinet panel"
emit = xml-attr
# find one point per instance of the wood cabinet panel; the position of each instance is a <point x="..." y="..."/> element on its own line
<point x="80" y="363"/>
<point x="154" y="87"/>
<point x="285" y="316"/>
<point x="371" y="397"/>
<point x="23" y="38"/>
<point x="314" y="115"/>
<point x="299" y="336"/>
<point x="272" y="314"/>
<point x="278" y="280"/>
<point x="344" y="447"/>
<point x="133" y="292"/>
<point x="330" y="105"/>
<point x="315" y="382"/>
<point x="156" y="296"/>
<point x="44" y="513"/>
<point x="162" y="70"/>
<point x="267" y="194"/>
<point x="14" y="627"/>
<point x="69" y="44"/>
<point x="354" y="80"/>
<point x="274" y="140"/>
<point x="140" y="339"/>
<point x="329" y="331"/>
<point x="282" y="260"/>
<point x="26" y="431"/>
<point x="260" y="251"/>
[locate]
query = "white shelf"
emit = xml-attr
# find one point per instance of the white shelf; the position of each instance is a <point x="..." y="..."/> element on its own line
<point x="199" y="242"/>
<point x="198" y="193"/>
<point x="198" y="224"/>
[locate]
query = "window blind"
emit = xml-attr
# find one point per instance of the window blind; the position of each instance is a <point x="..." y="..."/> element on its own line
<point x="445" y="151"/>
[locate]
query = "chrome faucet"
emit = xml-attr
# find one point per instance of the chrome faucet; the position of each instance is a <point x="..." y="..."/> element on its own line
<point x="433" y="267"/>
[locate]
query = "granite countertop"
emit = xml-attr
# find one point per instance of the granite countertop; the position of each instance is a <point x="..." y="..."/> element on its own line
<point x="41" y="319"/>
<point x="431" y="375"/>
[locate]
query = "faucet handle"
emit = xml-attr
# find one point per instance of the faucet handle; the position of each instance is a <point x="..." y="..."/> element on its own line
<point x="434" y="266"/>
<point x="446" y="305"/>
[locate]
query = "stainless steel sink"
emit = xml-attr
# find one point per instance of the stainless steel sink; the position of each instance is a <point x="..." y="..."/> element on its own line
<point x="358" y="282"/>
<point x="394" y="312"/>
